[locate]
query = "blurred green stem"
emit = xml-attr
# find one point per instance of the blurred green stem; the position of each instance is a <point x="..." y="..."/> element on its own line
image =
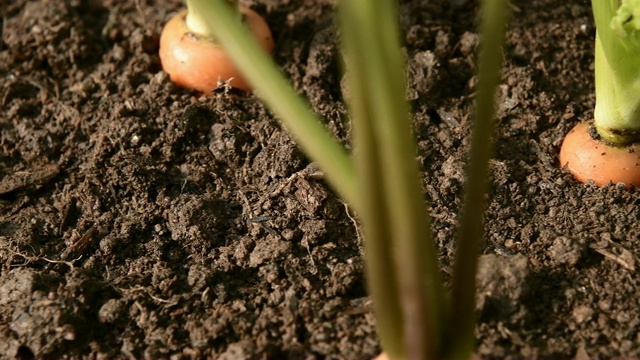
<point x="414" y="319"/>
<point x="492" y="29"/>
<point x="402" y="267"/>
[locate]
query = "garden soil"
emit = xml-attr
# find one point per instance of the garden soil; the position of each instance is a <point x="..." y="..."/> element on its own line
<point x="140" y="220"/>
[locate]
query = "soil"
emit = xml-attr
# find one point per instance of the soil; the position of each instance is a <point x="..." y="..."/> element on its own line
<point x="138" y="219"/>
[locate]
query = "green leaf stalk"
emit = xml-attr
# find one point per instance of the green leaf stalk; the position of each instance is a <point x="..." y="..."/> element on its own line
<point x="617" y="70"/>
<point x="381" y="181"/>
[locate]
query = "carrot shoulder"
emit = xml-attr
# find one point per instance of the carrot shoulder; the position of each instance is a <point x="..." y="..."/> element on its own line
<point x="588" y="158"/>
<point x="202" y="64"/>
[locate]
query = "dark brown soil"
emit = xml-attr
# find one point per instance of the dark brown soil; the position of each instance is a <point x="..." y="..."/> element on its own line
<point x="138" y="220"/>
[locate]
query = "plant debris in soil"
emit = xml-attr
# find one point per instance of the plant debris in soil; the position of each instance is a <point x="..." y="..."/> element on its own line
<point x="139" y="220"/>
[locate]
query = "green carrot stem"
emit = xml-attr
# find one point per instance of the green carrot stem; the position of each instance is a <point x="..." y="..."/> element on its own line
<point x="403" y="275"/>
<point x="492" y="29"/>
<point x="617" y="70"/>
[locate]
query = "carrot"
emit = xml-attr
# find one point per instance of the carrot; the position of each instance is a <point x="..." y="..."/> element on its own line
<point x="608" y="148"/>
<point x="589" y="158"/>
<point x="198" y="63"/>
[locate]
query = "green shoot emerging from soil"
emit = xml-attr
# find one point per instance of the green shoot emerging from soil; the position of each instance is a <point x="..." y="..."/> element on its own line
<point x="617" y="68"/>
<point x="381" y="181"/>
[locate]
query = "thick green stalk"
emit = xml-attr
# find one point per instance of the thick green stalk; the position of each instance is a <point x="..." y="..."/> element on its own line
<point x="306" y="128"/>
<point x="380" y="270"/>
<point x="385" y="150"/>
<point x="462" y="330"/>
<point x="617" y="76"/>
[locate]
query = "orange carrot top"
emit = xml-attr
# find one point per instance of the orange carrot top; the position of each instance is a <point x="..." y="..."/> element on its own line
<point x="194" y="60"/>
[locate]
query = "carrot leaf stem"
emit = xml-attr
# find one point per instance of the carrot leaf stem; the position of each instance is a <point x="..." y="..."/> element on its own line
<point x="197" y="20"/>
<point x="492" y="32"/>
<point x="402" y="270"/>
<point x="617" y="70"/>
<point x="382" y="181"/>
